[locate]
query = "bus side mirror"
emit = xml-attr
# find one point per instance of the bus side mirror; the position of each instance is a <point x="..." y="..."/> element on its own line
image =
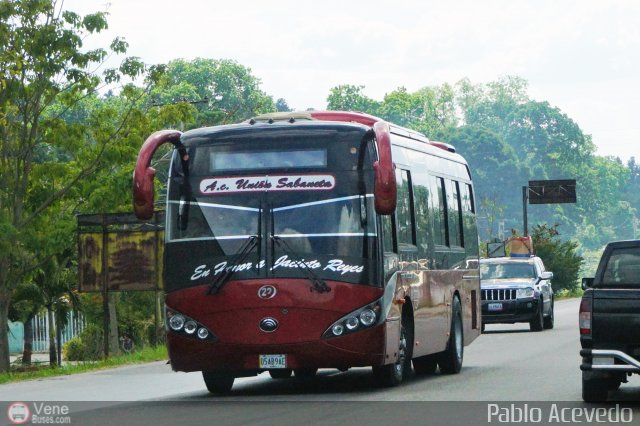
<point x="143" y="191"/>
<point x="587" y="283"/>
<point x="385" y="191"/>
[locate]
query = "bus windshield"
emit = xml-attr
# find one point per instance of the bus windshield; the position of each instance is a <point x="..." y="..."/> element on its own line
<point x="314" y="194"/>
<point x="301" y="223"/>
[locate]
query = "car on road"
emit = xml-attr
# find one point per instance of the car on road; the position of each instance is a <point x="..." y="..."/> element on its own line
<point x="516" y="289"/>
<point x="609" y="321"/>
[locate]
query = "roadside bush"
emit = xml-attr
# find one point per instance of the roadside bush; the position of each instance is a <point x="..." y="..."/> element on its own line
<point x="92" y="338"/>
<point x="558" y="256"/>
<point x="85" y="347"/>
<point x="73" y="349"/>
<point x="136" y="312"/>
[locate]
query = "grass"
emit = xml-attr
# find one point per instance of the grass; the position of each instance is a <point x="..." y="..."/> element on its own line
<point x="568" y="294"/>
<point x="147" y="354"/>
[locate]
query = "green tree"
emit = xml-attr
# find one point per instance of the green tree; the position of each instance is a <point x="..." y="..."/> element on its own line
<point x="494" y="167"/>
<point x="348" y="97"/>
<point x="25" y="305"/>
<point x="543" y="136"/>
<point x="600" y="186"/>
<point x="282" y="105"/>
<point x="490" y="105"/>
<point x="51" y="290"/>
<point x="55" y="282"/>
<point x="631" y="192"/>
<point x="438" y="111"/>
<point x="44" y="72"/>
<point x="402" y="108"/>
<point x="221" y="91"/>
<point x="509" y="139"/>
<point x="546" y="144"/>
<point x="559" y="256"/>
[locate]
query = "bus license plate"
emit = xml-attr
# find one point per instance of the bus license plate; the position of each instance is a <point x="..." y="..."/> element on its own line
<point x="273" y="361"/>
<point x="495" y="306"/>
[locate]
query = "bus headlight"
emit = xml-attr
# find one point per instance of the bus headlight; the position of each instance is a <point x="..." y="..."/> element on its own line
<point x="190" y="327"/>
<point x="203" y="333"/>
<point x="176" y="322"/>
<point x="187" y="327"/>
<point x="367" y="317"/>
<point x="360" y="319"/>
<point x="351" y="323"/>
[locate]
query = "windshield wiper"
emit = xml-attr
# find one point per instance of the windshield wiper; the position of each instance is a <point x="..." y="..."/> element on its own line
<point x="185" y="188"/>
<point x="317" y="283"/>
<point x="242" y="253"/>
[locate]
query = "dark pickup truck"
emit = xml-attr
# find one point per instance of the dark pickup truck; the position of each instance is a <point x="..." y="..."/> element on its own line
<point x="609" y="321"/>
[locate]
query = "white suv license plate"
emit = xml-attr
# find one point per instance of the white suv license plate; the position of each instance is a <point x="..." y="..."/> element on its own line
<point x="273" y="361"/>
<point x="495" y="307"/>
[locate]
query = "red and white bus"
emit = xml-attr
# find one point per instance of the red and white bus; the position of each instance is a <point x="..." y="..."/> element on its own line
<point x="299" y="241"/>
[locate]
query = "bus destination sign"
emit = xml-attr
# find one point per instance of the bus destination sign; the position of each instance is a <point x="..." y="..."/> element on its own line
<point x="228" y="185"/>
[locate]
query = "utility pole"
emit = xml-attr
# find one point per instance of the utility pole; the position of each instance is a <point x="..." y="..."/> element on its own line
<point x="525" y="201"/>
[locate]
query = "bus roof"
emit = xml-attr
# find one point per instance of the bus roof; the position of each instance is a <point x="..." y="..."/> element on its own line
<point x="349" y="117"/>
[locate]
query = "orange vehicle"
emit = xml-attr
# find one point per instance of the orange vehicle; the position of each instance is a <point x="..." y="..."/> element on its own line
<point x="323" y="239"/>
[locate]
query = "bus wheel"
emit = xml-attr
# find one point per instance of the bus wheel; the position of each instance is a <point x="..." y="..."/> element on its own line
<point x="425" y="364"/>
<point x="392" y="374"/>
<point x="305" y="373"/>
<point x="450" y="360"/>
<point x="217" y="382"/>
<point x="283" y="373"/>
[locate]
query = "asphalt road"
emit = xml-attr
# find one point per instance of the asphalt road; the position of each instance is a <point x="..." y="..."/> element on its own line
<point x="506" y="364"/>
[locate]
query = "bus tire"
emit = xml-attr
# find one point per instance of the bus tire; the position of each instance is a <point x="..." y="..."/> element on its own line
<point x="283" y="373"/>
<point x="390" y="375"/>
<point x="450" y="360"/>
<point x="425" y="364"/>
<point x="217" y="382"/>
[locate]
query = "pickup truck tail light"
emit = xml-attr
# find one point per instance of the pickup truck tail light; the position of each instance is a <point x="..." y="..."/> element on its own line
<point x="584" y="317"/>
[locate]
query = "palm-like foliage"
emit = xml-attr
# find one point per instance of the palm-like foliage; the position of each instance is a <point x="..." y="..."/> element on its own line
<point x="51" y="289"/>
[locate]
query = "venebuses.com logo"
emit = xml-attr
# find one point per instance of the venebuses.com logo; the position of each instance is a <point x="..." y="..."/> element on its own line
<point x="18" y="413"/>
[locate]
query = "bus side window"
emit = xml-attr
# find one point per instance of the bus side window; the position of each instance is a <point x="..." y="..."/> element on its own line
<point x="421" y="202"/>
<point x="387" y="234"/>
<point x="390" y="253"/>
<point x="470" y="231"/>
<point x="404" y="211"/>
<point x="455" y="213"/>
<point x="438" y="211"/>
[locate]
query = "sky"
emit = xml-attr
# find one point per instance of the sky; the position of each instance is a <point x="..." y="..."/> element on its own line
<point x="581" y="56"/>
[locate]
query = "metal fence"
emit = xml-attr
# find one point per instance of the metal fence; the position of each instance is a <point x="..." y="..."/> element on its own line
<point x="74" y="327"/>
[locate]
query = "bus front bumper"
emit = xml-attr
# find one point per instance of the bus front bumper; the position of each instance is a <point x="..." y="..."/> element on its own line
<point x="364" y="348"/>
